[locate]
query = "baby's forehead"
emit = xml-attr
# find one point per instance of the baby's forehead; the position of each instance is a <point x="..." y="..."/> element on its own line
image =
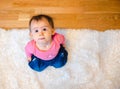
<point x="40" y="23"/>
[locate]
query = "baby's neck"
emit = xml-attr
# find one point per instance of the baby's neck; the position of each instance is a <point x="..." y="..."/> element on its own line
<point x="44" y="47"/>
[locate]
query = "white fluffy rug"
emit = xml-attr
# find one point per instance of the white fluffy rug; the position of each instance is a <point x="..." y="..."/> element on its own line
<point x="93" y="61"/>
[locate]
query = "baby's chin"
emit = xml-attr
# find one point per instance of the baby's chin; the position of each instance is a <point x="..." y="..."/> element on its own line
<point x="42" y="41"/>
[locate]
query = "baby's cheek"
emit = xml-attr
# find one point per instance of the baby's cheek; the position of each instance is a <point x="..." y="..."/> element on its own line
<point x="36" y="37"/>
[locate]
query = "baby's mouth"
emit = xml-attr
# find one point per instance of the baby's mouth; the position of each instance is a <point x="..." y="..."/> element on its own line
<point x="41" y="38"/>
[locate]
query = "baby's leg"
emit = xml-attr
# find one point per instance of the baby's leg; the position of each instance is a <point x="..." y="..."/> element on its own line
<point x="61" y="59"/>
<point x="37" y="64"/>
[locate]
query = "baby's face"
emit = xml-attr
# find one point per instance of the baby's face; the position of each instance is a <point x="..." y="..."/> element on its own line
<point x="41" y="31"/>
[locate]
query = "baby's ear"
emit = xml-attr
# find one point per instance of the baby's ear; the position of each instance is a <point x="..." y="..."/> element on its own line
<point x="30" y="34"/>
<point x="53" y="31"/>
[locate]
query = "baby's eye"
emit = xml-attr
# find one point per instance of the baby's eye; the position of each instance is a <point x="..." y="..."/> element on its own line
<point x="44" y="29"/>
<point x="36" y="30"/>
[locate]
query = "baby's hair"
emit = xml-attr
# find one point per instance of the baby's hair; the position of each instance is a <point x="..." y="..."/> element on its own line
<point x="41" y="16"/>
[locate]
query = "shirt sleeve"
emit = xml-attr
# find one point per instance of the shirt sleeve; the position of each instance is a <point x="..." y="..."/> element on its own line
<point x="59" y="38"/>
<point x="28" y="49"/>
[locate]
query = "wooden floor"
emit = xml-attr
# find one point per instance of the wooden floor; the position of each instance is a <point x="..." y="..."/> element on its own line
<point x="73" y="14"/>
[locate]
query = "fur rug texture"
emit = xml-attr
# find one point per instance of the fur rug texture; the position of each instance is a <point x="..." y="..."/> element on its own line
<point x="93" y="61"/>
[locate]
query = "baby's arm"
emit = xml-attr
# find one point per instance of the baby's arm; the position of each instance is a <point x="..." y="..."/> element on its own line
<point x="60" y="38"/>
<point x="28" y="50"/>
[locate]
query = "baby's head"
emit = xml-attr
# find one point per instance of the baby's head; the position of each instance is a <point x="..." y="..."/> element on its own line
<point x="41" y="28"/>
<point x="41" y="17"/>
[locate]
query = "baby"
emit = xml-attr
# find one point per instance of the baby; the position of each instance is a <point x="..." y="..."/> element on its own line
<point x="46" y="47"/>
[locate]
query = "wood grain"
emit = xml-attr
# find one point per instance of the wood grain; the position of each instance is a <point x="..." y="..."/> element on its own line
<point x="74" y="14"/>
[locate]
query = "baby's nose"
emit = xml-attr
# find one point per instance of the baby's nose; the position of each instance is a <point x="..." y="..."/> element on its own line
<point x="40" y="33"/>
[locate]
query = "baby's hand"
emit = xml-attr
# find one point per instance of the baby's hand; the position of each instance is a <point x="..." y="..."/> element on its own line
<point x="29" y="59"/>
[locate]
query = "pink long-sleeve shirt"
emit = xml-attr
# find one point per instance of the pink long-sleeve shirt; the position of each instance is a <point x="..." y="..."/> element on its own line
<point x="31" y="48"/>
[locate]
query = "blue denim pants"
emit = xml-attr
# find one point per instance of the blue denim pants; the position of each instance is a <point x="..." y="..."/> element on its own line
<point x="60" y="60"/>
